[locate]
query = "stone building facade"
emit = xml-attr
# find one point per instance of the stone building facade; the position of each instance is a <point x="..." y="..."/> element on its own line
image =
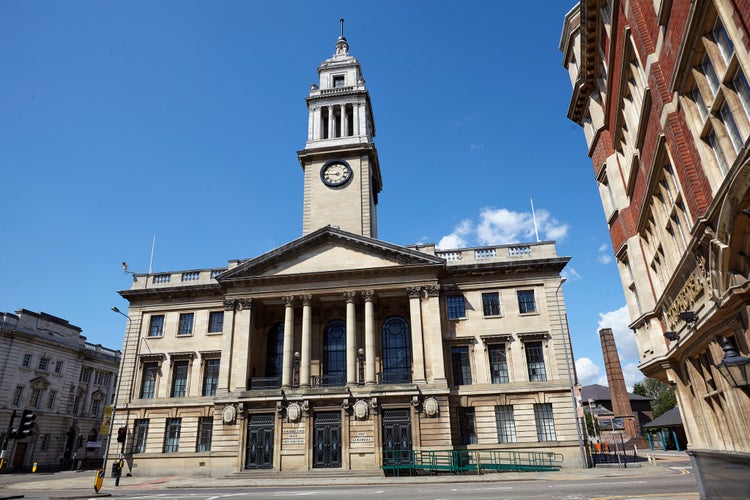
<point x="337" y="350"/>
<point x="48" y="367"/>
<point x="661" y="90"/>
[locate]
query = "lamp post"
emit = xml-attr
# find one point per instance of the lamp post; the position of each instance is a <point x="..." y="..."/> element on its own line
<point x="117" y="399"/>
<point x="295" y="381"/>
<point x="735" y="367"/>
<point x="361" y="358"/>
<point x="593" y="422"/>
<point x="566" y="338"/>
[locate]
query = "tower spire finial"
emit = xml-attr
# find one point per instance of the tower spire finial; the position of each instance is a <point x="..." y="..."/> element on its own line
<point x="342" y="27"/>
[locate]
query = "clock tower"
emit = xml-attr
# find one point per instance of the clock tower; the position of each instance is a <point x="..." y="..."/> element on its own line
<point x="340" y="162"/>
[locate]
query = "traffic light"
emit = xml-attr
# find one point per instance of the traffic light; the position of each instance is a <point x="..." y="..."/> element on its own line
<point x="122" y="433"/>
<point x="27" y="422"/>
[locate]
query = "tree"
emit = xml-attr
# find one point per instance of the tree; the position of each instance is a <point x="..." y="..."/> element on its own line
<point x="661" y="393"/>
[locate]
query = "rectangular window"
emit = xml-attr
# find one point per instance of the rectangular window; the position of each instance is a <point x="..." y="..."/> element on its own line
<point x="535" y="361"/>
<point x="51" y="400"/>
<point x="491" y="303"/>
<point x="210" y="377"/>
<point x="498" y="364"/>
<point x="731" y="125"/>
<point x="43" y="363"/>
<point x="58" y="367"/>
<point x="215" y="321"/>
<point x="467" y="431"/>
<point x="45" y="442"/>
<point x="461" y="365"/>
<point x="713" y="140"/>
<point x="338" y="81"/>
<point x="26" y="360"/>
<point x="76" y="404"/>
<point x="700" y="104"/>
<point x="85" y="375"/>
<point x="726" y="47"/>
<point x="205" y="430"/>
<point x="96" y="404"/>
<point x="179" y="379"/>
<point x="172" y="435"/>
<point x="17" y="395"/>
<point x="710" y="73"/>
<point x="743" y="91"/>
<point x="526" y="302"/>
<point x="545" y="422"/>
<point x="148" y="384"/>
<point x="103" y="378"/>
<point x="186" y="324"/>
<point x="156" y="326"/>
<point x="506" y="424"/>
<point x="140" y="432"/>
<point x="35" y="397"/>
<point x="456" y="306"/>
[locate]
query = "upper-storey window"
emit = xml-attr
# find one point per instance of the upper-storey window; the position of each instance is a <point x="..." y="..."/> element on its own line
<point x="43" y="363"/>
<point x="156" y="326"/>
<point x="491" y="303"/>
<point x="721" y="37"/>
<point x="148" y="380"/>
<point x="338" y="81"/>
<point x="186" y="324"/>
<point x="215" y="321"/>
<point x="456" y="306"/>
<point x="26" y="360"/>
<point x="526" y="301"/>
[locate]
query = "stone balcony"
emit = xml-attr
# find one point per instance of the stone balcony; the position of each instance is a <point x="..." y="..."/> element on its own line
<point x="500" y="253"/>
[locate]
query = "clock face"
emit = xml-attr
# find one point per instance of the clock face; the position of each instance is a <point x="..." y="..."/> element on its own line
<point x="336" y="173"/>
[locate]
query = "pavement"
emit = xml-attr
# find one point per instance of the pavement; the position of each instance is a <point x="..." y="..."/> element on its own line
<point x="81" y="483"/>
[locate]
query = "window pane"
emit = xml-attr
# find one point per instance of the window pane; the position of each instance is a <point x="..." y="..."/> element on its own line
<point x="215" y="321"/>
<point x="456" y="306"/>
<point x="708" y="70"/>
<point x="698" y="98"/>
<point x="334" y="353"/>
<point x="179" y="379"/>
<point x="467" y="433"/>
<point x="148" y="385"/>
<point x="545" y="422"/>
<point x="491" y="304"/>
<point x="461" y="365"/>
<point x="156" y="327"/>
<point x="210" y="377"/>
<point x="498" y="364"/>
<point x="172" y="435"/>
<point x="726" y="47"/>
<point x="535" y="361"/>
<point x="396" y="350"/>
<point x="275" y="351"/>
<point x="205" y="431"/>
<point x="140" y="432"/>
<point x="718" y="153"/>
<point x="186" y="324"/>
<point x="732" y="130"/>
<point x="743" y="90"/>
<point x="506" y="424"/>
<point x="526" y="302"/>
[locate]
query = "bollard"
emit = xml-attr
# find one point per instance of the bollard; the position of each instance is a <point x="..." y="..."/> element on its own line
<point x="34" y="466"/>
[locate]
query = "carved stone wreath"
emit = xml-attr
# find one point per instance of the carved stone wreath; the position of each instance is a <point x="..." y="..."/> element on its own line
<point x="431" y="407"/>
<point x="361" y="410"/>
<point x="293" y="412"/>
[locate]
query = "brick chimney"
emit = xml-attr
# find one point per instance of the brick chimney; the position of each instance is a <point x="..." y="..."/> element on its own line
<point x="618" y="392"/>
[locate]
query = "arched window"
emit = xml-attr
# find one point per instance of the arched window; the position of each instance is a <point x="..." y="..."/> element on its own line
<point x="275" y="351"/>
<point x="396" y="351"/>
<point x="334" y="353"/>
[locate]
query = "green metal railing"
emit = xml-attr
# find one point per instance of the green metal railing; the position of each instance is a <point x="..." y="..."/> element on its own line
<point x="468" y="461"/>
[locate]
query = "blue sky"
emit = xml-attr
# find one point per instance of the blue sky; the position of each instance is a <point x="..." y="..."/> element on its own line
<point x="123" y="119"/>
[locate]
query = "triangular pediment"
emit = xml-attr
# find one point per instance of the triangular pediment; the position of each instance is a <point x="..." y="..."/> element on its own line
<point x="39" y="382"/>
<point x="329" y="250"/>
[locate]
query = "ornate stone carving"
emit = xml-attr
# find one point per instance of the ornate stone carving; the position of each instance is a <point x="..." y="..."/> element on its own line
<point x="431" y="407"/>
<point x="433" y="290"/>
<point x="246" y="303"/>
<point x="288" y="300"/>
<point x="350" y="296"/>
<point x="413" y="291"/>
<point x="229" y="414"/>
<point x="369" y="295"/>
<point x="361" y="410"/>
<point x="230" y="304"/>
<point x="306" y="299"/>
<point x="293" y="412"/>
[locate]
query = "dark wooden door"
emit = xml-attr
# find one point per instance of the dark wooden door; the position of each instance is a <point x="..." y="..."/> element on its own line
<point x="396" y="436"/>
<point x="327" y="440"/>
<point x="259" y="451"/>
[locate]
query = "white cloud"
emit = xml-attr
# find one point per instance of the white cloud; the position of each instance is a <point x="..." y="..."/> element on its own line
<point x="632" y="374"/>
<point x="570" y="273"/>
<point x="603" y="248"/>
<point x="588" y="371"/>
<point x="500" y="226"/>
<point x="618" y="321"/>
<point x="605" y="259"/>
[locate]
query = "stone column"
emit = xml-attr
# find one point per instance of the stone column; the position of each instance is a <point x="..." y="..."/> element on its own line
<point x="313" y="116"/>
<point x="225" y="365"/>
<point x="351" y="339"/>
<point x="241" y="346"/>
<point x="434" y="337"/>
<point x="417" y="347"/>
<point x="331" y="123"/>
<point x="288" y="359"/>
<point x="304" y="368"/>
<point x="369" y="337"/>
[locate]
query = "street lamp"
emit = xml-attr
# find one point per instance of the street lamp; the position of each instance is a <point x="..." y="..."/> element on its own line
<point x="735" y="367"/>
<point x="117" y="399"/>
<point x="584" y="462"/>
<point x="361" y="357"/>
<point x="295" y="381"/>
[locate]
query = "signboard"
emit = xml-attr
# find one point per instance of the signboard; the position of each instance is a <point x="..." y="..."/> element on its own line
<point x="107" y="420"/>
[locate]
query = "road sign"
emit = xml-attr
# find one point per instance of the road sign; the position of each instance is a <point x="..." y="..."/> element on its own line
<point x="98" y="480"/>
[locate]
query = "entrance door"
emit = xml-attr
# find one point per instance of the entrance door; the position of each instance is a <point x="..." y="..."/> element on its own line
<point x="327" y="440"/>
<point x="259" y="453"/>
<point x="396" y="436"/>
<point x="19" y="454"/>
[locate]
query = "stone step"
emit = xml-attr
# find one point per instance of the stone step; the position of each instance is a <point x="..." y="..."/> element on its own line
<point x="305" y="474"/>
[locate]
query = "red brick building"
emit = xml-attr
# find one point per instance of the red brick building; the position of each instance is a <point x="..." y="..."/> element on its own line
<point x="661" y="90"/>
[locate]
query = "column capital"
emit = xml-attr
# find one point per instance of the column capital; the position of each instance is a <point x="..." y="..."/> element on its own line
<point x="246" y="303"/>
<point x="350" y="296"/>
<point x="413" y="291"/>
<point x="288" y="300"/>
<point x="306" y="299"/>
<point x="369" y="295"/>
<point x="433" y="290"/>
<point x="230" y="304"/>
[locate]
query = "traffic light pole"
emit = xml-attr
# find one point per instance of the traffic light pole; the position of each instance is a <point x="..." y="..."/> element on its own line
<point x="6" y="439"/>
